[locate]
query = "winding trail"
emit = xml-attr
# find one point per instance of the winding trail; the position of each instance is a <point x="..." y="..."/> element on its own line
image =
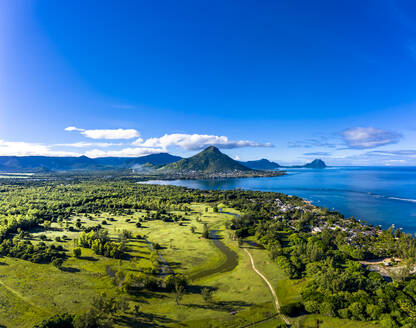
<point x="253" y="266"/>
<point x="276" y="301"/>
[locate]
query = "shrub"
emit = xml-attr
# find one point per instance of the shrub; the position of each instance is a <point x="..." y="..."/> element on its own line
<point x="312" y="306"/>
<point x="293" y="309"/>
<point x="64" y="320"/>
<point x="327" y="309"/>
<point x="77" y="252"/>
<point x="58" y="263"/>
<point x="175" y="279"/>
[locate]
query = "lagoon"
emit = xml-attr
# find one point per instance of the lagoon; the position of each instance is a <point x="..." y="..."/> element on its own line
<point x="377" y="195"/>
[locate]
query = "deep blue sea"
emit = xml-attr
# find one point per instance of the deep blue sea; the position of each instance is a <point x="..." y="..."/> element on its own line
<point x="377" y="195"/>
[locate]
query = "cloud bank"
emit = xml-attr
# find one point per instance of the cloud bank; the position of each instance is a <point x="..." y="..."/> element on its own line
<point x="110" y="134"/>
<point x="20" y="148"/>
<point x="196" y="142"/>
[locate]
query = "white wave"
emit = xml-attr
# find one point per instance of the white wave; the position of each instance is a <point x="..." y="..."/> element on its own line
<point x="403" y="199"/>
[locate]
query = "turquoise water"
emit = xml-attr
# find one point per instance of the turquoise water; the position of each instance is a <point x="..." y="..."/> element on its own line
<point x="378" y="195"/>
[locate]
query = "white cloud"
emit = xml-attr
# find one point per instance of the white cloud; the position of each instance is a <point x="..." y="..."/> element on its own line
<point x="111" y="134"/>
<point x="73" y="128"/>
<point x="20" y="148"/>
<point x="126" y="152"/>
<point x="196" y="142"/>
<point x="369" y="137"/>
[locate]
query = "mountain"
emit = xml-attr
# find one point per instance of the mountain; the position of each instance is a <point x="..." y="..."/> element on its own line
<point x="46" y="163"/>
<point x="261" y="164"/>
<point x="129" y="162"/>
<point x="210" y="160"/>
<point x="316" y="164"/>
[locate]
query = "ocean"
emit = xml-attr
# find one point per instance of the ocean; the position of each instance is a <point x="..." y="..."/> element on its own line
<point x="377" y="195"/>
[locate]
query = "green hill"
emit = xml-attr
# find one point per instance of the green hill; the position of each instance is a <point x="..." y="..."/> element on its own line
<point x="83" y="163"/>
<point x="261" y="164"/>
<point x="210" y="160"/>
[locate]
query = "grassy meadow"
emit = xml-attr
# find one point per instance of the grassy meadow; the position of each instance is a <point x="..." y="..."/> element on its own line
<point x="31" y="292"/>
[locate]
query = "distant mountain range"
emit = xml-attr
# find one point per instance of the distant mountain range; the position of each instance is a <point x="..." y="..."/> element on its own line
<point x="45" y="163"/>
<point x="265" y="164"/>
<point x="261" y="164"/>
<point x="209" y="161"/>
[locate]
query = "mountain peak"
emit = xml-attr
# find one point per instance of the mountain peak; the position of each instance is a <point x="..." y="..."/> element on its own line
<point x="210" y="160"/>
<point x="316" y="163"/>
<point x="212" y="149"/>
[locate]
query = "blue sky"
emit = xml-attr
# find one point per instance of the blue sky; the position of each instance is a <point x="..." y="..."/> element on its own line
<point x="285" y="80"/>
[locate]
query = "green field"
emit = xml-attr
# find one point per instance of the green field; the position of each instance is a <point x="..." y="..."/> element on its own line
<point x="31" y="292"/>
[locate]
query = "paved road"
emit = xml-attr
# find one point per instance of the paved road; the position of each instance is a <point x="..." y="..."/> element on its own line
<point x="276" y="301"/>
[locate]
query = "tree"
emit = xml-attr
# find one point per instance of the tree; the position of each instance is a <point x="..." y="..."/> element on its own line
<point x="357" y="310"/>
<point x="136" y="309"/>
<point x="205" y="232"/>
<point x="179" y="291"/>
<point x="77" y="252"/>
<point x="64" y="320"/>
<point x="173" y="280"/>
<point x="207" y="295"/>
<point x="58" y="263"/>
<point x="240" y="241"/>
<point x="192" y="229"/>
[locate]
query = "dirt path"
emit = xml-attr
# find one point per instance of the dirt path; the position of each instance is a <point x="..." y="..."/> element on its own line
<point x="276" y="301"/>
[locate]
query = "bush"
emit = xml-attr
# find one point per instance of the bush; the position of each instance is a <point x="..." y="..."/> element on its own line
<point x="293" y="309"/>
<point x="58" y="263"/>
<point x="344" y="313"/>
<point x="156" y="246"/>
<point x="327" y="309"/>
<point x="312" y="306"/>
<point x="77" y="252"/>
<point x="57" y="321"/>
<point x="175" y="280"/>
